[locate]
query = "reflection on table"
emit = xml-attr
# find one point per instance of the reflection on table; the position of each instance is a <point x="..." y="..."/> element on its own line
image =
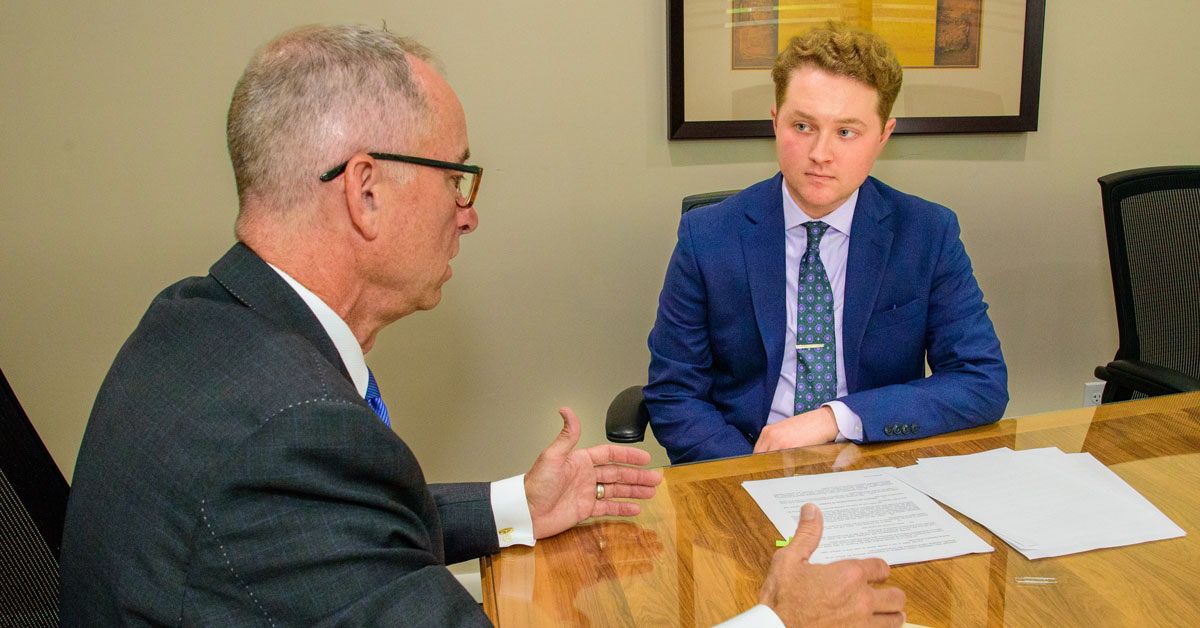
<point x="700" y="549"/>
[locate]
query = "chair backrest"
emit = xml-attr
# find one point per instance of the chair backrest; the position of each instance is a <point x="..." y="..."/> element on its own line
<point x="1152" y="218"/>
<point x="33" y="504"/>
<point x="707" y="198"/>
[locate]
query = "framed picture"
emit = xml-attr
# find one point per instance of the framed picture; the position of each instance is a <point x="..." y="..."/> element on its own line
<point x="970" y="66"/>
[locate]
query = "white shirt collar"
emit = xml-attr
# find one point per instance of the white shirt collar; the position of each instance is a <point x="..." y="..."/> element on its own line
<point x="339" y="332"/>
<point x="839" y="219"/>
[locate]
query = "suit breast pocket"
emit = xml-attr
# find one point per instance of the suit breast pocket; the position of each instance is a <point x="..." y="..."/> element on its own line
<point x="912" y="312"/>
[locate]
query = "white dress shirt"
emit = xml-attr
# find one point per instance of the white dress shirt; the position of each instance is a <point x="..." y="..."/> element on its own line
<point x="514" y="524"/>
<point x="835" y="246"/>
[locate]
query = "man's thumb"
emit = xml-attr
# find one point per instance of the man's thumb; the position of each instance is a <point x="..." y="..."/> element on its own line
<point x="569" y="436"/>
<point x="808" y="531"/>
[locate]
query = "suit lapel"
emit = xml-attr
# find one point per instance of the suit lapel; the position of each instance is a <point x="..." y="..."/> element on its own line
<point x="870" y="243"/>
<point x="252" y="282"/>
<point x="763" y="249"/>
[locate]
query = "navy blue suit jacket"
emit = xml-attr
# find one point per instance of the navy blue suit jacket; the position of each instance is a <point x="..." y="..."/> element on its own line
<point x="910" y="296"/>
<point x="231" y="475"/>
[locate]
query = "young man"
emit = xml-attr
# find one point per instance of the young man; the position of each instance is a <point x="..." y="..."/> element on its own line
<point x="804" y="309"/>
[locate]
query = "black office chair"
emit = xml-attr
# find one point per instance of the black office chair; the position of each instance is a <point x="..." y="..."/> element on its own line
<point x="706" y="198"/>
<point x="1152" y="217"/>
<point x="33" y="504"/>
<point x="627" y="417"/>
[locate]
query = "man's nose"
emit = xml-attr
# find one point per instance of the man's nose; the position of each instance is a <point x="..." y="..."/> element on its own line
<point x="821" y="150"/>
<point x="468" y="220"/>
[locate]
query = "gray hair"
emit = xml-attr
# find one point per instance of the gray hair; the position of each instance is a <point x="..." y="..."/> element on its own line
<point x="315" y="96"/>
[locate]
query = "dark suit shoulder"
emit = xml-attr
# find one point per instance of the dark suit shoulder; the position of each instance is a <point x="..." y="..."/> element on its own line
<point x="196" y="333"/>
<point x="200" y="374"/>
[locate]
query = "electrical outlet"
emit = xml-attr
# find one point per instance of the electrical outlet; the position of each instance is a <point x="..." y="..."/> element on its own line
<point x="1092" y="393"/>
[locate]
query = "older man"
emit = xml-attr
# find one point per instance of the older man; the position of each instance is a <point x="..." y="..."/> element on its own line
<point x="239" y="467"/>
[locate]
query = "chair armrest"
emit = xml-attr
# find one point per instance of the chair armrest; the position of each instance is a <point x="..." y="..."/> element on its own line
<point x="1150" y="379"/>
<point x="627" y="417"/>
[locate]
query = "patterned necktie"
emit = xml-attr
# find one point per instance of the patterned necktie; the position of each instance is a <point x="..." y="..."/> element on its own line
<point x="816" y="366"/>
<point x="375" y="401"/>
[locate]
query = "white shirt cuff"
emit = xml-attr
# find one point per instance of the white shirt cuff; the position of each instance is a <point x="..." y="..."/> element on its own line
<point x="848" y="422"/>
<point x="514" y="525"/>
<point x="761" y="616"/>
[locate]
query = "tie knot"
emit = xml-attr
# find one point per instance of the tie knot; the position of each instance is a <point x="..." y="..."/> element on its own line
<point x="816" y="230"/>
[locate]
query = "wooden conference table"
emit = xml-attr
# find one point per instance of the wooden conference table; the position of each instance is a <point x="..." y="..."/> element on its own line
<point x="700" y="549"/>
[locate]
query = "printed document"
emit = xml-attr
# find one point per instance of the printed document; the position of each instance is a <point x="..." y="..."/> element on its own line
<point x="868" y="514"/>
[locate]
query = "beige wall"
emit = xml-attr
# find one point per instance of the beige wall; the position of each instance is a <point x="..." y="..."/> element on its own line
<point x="116" y="183"/>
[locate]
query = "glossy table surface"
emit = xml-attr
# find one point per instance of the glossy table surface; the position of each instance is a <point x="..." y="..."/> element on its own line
<point x="700" y="549"/>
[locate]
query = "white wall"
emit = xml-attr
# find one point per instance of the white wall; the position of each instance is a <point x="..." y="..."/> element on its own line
<point x="116" y="183"/>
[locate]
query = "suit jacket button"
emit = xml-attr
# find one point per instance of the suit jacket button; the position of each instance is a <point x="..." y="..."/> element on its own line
<point x="904" y="428"/>
<point x="915" y="427"/>
<point x="887" y="430"/>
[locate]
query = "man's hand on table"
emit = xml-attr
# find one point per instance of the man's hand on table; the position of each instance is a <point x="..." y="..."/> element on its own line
<point x="838" y="594"/>
<point x="810" y="428"/>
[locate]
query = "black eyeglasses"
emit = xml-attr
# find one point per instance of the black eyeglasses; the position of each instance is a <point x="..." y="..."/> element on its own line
<point x="469" y="180"/>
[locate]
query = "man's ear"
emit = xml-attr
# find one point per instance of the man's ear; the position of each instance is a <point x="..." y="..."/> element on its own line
<point x="362" y="180"/>
<point x="774" y="121"/>
<point x="887" y="132"/>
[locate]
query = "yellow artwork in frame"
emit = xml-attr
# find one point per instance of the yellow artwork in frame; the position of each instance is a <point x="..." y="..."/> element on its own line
<point x="923" y="33"/>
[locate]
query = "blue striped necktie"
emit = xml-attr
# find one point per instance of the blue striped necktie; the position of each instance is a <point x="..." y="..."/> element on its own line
<point x="816" y="350"/>
<point x="376" y="401"/>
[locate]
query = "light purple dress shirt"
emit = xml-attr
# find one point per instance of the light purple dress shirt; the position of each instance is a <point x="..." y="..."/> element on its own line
<point x="835" y="246"/>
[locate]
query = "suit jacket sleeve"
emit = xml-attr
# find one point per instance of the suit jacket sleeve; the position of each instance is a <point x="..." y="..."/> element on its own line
<point x="468" y="524"/>
<point x="678" y="393"/>
<point x="322" y="518"/>
<point x="969" y="382"/>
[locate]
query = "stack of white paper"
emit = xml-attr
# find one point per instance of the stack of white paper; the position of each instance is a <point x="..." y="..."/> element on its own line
<point x="1042" y="502"/>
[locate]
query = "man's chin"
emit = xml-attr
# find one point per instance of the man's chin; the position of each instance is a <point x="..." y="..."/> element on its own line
<point x="432" y="300"/>
<point x="427" y="299"/>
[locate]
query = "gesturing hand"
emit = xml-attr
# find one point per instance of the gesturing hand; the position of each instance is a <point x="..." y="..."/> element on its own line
<point x="561" y="485"/>
<point x="837" y="594"/>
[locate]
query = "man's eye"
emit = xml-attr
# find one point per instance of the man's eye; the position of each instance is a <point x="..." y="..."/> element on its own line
<point x="801" y="126"/>
<point x="457" y="181"/>
<point x="846" y="132"/>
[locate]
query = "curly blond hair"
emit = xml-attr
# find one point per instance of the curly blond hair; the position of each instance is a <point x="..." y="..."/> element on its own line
<point x="860" y="55"/>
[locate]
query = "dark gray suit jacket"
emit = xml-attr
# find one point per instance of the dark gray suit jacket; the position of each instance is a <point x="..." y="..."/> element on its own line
<point x="230" y="475"/>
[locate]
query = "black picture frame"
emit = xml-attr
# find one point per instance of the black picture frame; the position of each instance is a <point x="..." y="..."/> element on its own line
<point x="679" y="128"/>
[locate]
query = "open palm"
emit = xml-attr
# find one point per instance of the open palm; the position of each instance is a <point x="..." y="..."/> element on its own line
<point x="561" y="485"/>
